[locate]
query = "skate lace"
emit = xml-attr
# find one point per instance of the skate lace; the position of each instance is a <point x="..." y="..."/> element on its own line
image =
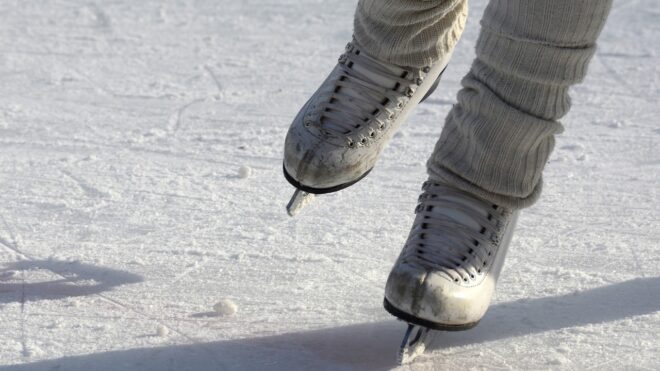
<point x="455" y="234"/>
<point x="366" y="91"/>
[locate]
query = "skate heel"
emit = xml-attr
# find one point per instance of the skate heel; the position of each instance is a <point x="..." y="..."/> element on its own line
<point x="407" y="317"/>
<point x="413" y="344"/>
<point x="304" y="195"/>
<point x="417" y="334"/>
<point x="299" y="200"/>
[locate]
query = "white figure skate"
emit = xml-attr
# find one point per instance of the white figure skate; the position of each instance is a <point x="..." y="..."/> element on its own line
<point x="343" y="128"/>
<point x="445" y="276"/>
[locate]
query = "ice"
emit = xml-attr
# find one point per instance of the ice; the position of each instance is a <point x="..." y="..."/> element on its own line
<point x="7" y="275"/>
<point x="124" y="126"/>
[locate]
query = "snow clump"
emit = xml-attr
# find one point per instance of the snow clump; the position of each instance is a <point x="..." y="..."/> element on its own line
<point x="225" y="307"/>
<point x="162" y="331"/>
<point x="244" y="172"/>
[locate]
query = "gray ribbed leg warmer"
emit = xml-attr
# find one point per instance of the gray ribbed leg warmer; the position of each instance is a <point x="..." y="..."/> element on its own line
<point x="412" y="33"/>
<point x="497" y="139"/>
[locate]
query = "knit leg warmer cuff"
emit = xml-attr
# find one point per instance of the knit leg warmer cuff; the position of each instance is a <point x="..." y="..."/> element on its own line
<point x="412" y="33"/>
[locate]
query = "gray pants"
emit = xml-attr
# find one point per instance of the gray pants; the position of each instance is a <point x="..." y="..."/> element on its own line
<point x="497" y="138"/>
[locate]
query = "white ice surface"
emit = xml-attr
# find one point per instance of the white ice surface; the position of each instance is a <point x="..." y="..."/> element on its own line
<point x="123" y="124"/>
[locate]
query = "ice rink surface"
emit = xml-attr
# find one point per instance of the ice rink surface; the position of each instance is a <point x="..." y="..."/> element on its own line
<point x="140" y="184"/>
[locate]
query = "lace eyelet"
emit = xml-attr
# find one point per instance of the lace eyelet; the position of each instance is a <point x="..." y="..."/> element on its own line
<point x="372" y="134"/>
<point x="363" y="140"/>
<point x="426" y="69"/>
<point x="419" y="81"/>
<point x="351" y="144"/>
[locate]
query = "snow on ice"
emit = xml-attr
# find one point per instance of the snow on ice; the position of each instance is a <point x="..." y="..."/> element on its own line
<point x="162" y="331"/>
<point x="225" y="307"/>
<point x="244" y="172"/>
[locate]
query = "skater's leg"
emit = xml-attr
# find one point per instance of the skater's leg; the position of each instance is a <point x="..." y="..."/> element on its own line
<point x="489" y="159"/>
<point x="395" y="61"/>
<point x="412" y="33"/>
<point x="498" y="137"/>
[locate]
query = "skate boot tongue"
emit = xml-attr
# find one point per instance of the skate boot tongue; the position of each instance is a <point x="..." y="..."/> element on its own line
<point x="365" y="87"/>
<point x="452" y="234"/>
<point x="461" y="216"/>
<point x="384" y="80"/>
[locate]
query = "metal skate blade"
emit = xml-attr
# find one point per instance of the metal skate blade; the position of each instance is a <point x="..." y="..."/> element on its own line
<point x="299" y="200"/>
<point x="413" y="344"/>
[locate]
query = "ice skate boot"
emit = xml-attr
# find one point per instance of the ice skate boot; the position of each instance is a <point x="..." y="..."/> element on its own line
<point x="445" y="275"/>
<point x="341" y="131"/>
